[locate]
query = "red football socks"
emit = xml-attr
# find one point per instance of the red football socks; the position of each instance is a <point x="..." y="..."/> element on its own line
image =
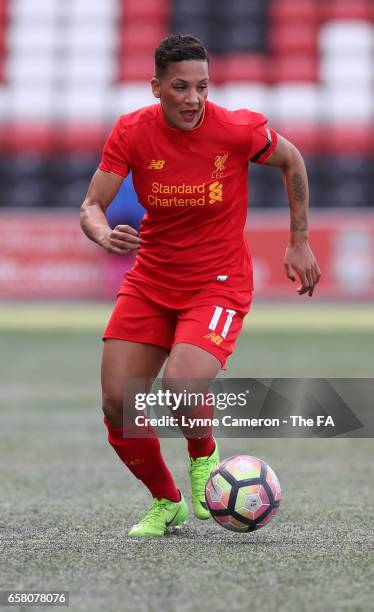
<point x="200" y="442"/>
<point x="144" y="459"/>
<point x="200" y="447"/>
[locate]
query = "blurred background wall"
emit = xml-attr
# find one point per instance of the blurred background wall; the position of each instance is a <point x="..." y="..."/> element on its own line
<point x="69" y="68"/>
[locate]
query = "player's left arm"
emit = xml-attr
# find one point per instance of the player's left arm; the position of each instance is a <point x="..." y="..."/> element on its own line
<point x="299" y="259"/>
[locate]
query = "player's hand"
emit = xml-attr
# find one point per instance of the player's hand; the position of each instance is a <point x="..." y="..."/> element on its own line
<point x="121" y="240"/>
<point x="299" y="260"/>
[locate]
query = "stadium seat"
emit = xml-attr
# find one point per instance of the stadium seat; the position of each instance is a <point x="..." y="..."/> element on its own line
<point x="348" y="166"/>
<point x="98" y="38"/>
<point x="237" y="11"/>
<point x="343" y="36"/>
<point x="354" y="69"/>
<point x="294" y="10"/>
<point x="345" y="9"/>
<point x="216" y="93"/>
<point x="78" y="68"/>
<point x="32" y="138"/>
<point x="68" y="195"/>
<point x="349" y="193"/>
<point x="30" y="102"/>
<point x="217" y="70"/>
<point x="126" y="97"/>
<point x="74" y="165"/>
<point x="239" y="37"/>
<point x="270" y="192"/>
<point x="338" y="139"/>
<point x="4" y="6"/>
<point x="28" y="193"/>
<point x="296" y="37"/>
<point x="27" y="36"/>
<point x="4" y="105"/>
<point x="94" y="10"/>
<point x="253" y="68"/>
<point x="351" y="105"/>
<point x="22" y="166"/>
<point x="83" y="137"/>
<point x="69" y="176"/>
<point x="295" y="103"/>
<point x="3" y="26"/>
<point x="191" y="10"/>
<point x="142" y="36"/>
<point x="32" y="67"/>
<point x="136" y="67"/>
<point x="42" y="10"/>
<point x="83" y="101"/>
<point x="245" y="95"/>
<point x="308" y="137"/>
<point x="341" y="178"/>
<point x="2" y="60"/>
<point x="146" y="9"/>
<point x="200" y="28"/>
<point x="292" y="67"/>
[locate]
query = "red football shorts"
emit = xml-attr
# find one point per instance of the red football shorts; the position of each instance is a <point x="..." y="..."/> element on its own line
<point x="213" y="327"/>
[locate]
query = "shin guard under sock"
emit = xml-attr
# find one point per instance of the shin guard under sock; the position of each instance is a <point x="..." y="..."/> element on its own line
<point x="144" y="459"/>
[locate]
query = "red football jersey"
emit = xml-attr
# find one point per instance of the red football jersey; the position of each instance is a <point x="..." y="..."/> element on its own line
<point x="194" y="187"/>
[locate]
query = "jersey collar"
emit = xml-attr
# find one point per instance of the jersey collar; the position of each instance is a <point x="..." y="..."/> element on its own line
<point x="162" y="121"/>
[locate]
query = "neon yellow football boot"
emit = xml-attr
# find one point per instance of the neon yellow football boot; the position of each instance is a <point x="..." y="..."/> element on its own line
<point x="163" y="514"/>
<point x="200" y="470"/>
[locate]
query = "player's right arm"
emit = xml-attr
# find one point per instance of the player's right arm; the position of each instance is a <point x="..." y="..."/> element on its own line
<point x="120" y="240"/>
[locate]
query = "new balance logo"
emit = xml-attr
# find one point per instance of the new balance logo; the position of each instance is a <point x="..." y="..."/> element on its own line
<point x="216" y="338"/>
<point x="134" y="462"/>
<point x="215" y="192"/>
<point x="156" y="164"/>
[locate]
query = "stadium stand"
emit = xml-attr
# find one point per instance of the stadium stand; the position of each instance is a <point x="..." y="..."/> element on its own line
<point x="68" y="68"/>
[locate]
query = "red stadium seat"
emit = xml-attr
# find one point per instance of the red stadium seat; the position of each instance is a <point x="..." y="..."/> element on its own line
<point x="240" y="68"/>
<point x="136" y="67"/>
<point x="143" y="24"/>
<point x="19" y="137"/>
<point x="142" y="36"/>
<point x="346" y="9"/>
<point x="3" y="25"/>
<point x="83" y="138"/>
<point x="293" y="67"/>
<point x="346" y="139"/>
<point x="307" y="138"/>
<point x="3" y="9"/>
<point x="290" y="10"/>
<point x="298" y="36"/>
<point x="145" y="9"/>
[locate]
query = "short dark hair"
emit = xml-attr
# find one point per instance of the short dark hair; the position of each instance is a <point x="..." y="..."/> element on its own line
<point x="178" y="48"/>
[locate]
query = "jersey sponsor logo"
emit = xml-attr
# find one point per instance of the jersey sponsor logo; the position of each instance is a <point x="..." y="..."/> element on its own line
<point x="215" y="192"/>
<point x="156" y="164"/>
<point x="216" y="338"/>
<point x="183" y="194"/>
<point x="177" y="195"/>
<point x="219" y="163"/>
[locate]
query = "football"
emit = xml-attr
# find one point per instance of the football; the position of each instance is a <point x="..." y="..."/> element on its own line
<point x="243" y="493"/>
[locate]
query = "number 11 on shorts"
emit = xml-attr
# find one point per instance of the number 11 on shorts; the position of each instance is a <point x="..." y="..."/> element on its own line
<point x="216" y="317"/>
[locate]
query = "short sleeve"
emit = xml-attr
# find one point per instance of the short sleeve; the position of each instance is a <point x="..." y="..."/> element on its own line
<point x="115" y="157"/>
<point x="264" y="140"/>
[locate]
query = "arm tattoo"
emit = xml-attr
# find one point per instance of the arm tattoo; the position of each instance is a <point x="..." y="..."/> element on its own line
<point x="298" y="188"/>
<point x="299" y="224"/>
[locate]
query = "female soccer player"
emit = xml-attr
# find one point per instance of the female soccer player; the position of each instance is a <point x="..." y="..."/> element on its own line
<point x="191" y="285"/>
